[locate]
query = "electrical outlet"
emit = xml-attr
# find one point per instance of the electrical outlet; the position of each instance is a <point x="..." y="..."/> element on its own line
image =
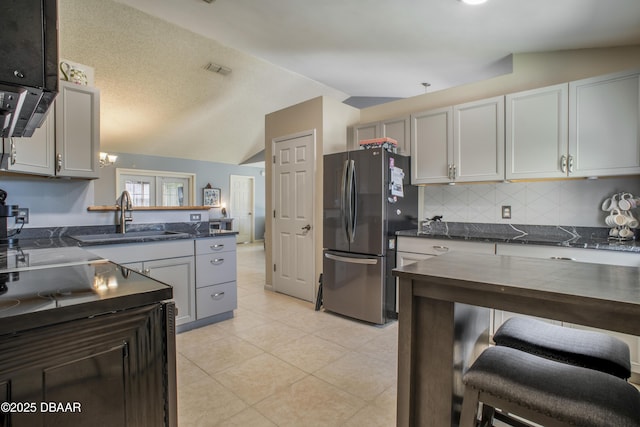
<point x="23" y="216"/>
<point x="195" y="217"/>
<point x="506" y="212"/>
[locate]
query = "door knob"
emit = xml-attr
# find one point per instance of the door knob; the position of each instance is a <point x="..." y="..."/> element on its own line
<point x="307" y="227"/>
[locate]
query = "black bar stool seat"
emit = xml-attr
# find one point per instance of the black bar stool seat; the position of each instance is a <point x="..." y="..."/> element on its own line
<point x="547" y="392"/>
<point x="589" y="349"/>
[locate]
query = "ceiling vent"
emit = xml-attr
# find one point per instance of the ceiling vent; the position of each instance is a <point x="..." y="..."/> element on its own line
<point x="216" y="68"/>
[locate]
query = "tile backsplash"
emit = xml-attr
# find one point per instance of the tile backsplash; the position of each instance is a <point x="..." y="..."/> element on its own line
<point x="567" y="202"/>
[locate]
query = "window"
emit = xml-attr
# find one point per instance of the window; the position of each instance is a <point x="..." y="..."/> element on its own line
<point x="156" y="188"/>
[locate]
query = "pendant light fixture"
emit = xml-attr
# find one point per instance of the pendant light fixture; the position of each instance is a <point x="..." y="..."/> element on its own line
<point x="473" y="2"/>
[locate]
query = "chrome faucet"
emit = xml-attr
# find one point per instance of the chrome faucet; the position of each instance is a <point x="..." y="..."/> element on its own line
<point x="125" y="207"/>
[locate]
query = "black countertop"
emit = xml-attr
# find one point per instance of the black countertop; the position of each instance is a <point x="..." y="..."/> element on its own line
<point x="42" y="295"/>
<point x="568" y="236"/>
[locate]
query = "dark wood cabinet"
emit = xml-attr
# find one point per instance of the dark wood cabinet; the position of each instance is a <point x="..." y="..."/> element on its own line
<point x="106" y="370"/>
<point x="29" y="43"/>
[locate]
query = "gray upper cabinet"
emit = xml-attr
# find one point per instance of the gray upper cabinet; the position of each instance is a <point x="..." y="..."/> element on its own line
<point x="536" y="133"/>
<point x="77" y="131"/>
<point x="364" y="131"/>
<point x="478" y="135"/>
<point x="68" y="142"/>
<point x="34" y="155"/>
<point x="432" y="146"/>
<point x="398" y="129"/>
<point x="463" y="143"/>
<point x="604" y="125"/>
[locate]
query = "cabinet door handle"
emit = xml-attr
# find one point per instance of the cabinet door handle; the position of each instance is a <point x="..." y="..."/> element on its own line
<point x="453" y="173"/>
<point x="449" y="171"/>
<point x="217" y="296"/>
<point x="563" y="164"/>
<point x="146" y="271"/>
<point x="570" y="164"/>
<point x="59" y="162"/>
<point x="216" y="247"/>
<point x="217" y="261"/>
<point x="562" y="258"/>
<point x="13" y="152"/>
<point x="441" y="248"/>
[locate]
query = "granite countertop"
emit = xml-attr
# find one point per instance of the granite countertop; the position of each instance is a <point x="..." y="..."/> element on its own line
<point x="568" y="236"/>
<point x="58" y="237"/>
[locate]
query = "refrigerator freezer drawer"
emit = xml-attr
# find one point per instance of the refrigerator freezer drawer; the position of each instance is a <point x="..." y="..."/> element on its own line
<point x="353" y="285"/>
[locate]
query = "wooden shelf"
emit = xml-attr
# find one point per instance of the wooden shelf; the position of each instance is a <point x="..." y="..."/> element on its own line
<point x="106" y="208"/>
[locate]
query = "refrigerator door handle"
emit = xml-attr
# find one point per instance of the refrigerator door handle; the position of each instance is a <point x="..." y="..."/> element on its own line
<point x="343" y="199"/>
<point x="349" y="200"/>
<point x="354" y="201"/>
<point x="370" y="261"/>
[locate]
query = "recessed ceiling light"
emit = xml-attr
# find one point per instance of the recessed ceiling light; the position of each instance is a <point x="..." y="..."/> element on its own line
<point x="473" y="2"/>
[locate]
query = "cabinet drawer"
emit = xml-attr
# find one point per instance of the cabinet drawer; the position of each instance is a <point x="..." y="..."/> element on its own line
<point x="429" y="246"/>
<point x="215" y="245"/>
<point x="212" y="300"/>
<point x="215" y="268"/>
<point x="594" y="256"/>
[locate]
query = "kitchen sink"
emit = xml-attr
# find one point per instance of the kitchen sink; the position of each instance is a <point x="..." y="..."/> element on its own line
<point x="129" y="237"/>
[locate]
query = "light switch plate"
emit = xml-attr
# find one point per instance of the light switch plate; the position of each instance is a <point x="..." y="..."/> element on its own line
<point x="195" y="217"/>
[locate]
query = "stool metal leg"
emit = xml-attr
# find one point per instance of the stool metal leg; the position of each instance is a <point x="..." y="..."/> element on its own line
<point x="488" y="413"/>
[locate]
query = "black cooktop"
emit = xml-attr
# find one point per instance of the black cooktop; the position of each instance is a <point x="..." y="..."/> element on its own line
<point x="41" y="294"/>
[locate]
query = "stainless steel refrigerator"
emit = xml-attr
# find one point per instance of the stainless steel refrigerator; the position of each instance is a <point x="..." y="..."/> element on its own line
<point x="367" y="198"/>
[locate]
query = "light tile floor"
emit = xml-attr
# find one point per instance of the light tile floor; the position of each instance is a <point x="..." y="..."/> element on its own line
<point x="279" y="362"/>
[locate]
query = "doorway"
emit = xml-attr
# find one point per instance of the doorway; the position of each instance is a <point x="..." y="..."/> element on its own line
<point x="242" y="206"/>
<point x="293" y="224"/>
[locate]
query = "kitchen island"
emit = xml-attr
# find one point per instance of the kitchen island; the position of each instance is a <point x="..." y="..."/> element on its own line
<point x="83" y="341"/>
<point x="442" y="315"/>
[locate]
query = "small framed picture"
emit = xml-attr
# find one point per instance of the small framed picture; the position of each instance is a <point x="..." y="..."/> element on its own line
<point x="211" y="197"/>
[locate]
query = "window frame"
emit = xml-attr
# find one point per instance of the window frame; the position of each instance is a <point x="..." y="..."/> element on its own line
<point x="158" y="175"/>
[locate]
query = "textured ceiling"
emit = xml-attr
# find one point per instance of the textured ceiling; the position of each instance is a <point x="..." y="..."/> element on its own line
<point x="157" y="98"/>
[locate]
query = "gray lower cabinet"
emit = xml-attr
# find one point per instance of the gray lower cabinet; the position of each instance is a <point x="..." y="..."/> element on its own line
<point x="169" y="262"/>
<point x="203" y="276"/>
<point x="216" y="272"/>
<point x="177" y="272"/>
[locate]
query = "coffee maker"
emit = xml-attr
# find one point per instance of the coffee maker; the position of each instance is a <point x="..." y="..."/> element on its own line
<point x="6" y="211"/>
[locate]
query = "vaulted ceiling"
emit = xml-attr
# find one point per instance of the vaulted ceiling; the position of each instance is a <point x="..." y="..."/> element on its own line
<point x="157" y="98"/>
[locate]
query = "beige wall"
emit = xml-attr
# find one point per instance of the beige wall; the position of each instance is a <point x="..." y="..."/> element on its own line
<point x="330" y="119"/>
<point x="530" y="71"/>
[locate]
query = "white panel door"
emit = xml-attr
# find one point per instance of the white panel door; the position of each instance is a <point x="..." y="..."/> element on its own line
<point x="242" y="207"/>
<point x="293" y="242"/>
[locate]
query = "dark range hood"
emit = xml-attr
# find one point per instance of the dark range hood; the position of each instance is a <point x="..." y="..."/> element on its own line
<point x="28" y="64"/>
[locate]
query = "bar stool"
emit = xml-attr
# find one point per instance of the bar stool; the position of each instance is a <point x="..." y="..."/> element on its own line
<point x="588" y="349"/>
<point x="546" y="392"/>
